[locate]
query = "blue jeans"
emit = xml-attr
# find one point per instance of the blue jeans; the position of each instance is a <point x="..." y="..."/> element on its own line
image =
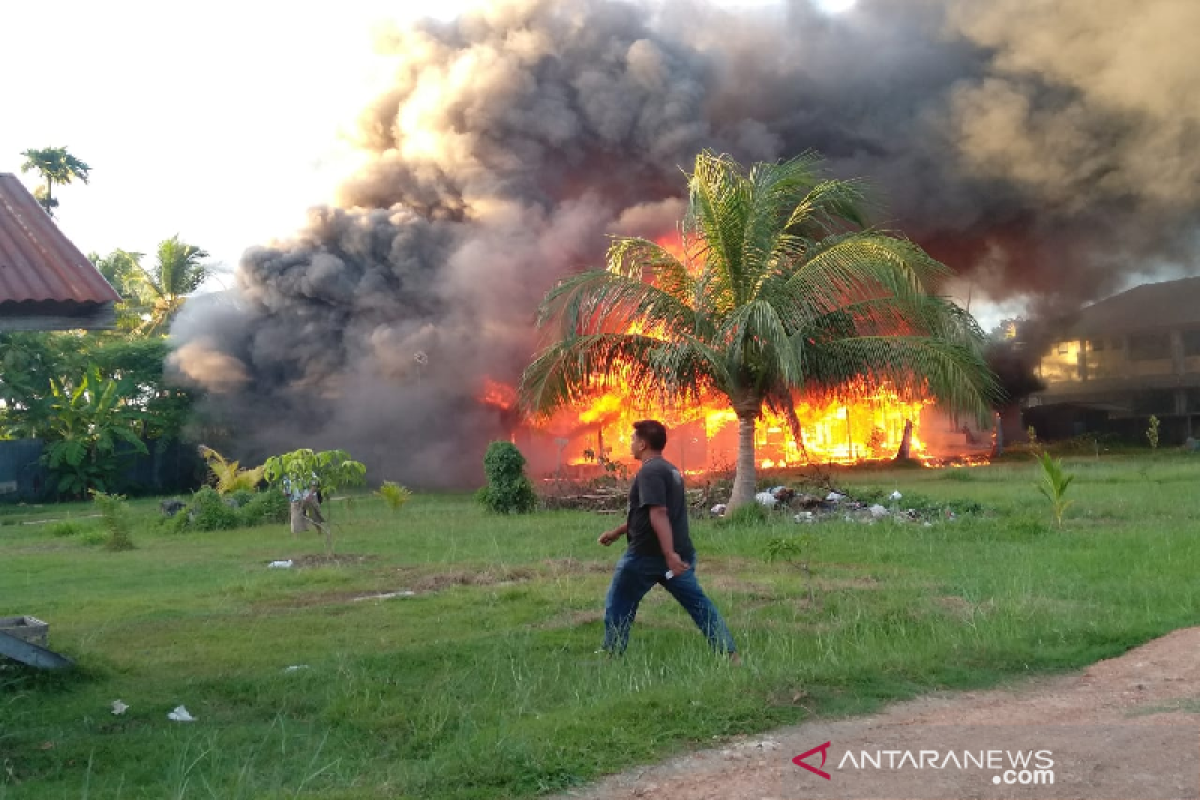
<point x="636" y="575"/>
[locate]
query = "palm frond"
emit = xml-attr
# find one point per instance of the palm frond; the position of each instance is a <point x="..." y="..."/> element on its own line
<point x="603" y="302"/>
<point x="756" y="338"/>
<point x="719" y="203"/>
<point x="632" y="258"/>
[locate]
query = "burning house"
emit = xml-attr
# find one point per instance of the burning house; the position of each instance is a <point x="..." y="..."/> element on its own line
<point x="517" y="137"/>
<point x="1121" y="360"/>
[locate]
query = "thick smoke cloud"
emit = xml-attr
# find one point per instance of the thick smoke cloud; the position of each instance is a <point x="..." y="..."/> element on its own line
<point x="1042" y="150"/>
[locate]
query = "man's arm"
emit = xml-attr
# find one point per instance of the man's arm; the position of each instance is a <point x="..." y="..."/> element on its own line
<point x="661" y="522"/>
<point x="609" y="537"/>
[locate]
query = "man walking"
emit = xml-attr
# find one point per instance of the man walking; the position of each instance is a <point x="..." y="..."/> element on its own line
<point x="660" y="548"/>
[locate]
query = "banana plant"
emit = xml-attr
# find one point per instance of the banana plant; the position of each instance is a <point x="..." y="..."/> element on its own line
<point x="86" y="426"/>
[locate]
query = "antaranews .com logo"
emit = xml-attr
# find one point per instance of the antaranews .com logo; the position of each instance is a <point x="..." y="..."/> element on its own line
<point x="1008" y="767"/>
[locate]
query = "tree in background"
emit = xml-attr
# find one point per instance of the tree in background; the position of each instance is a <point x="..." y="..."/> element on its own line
<point x="781" y="288"/>
<point x="56" y="167"/>
<point x="178" y="271"/>
<point x="88" y="396"/>
<point x="123" y="271"/>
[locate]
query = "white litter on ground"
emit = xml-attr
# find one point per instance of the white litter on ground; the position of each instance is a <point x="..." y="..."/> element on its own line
<point x="766" y="499"/>
<point x="280" y="564"/>
<point x="895" y="495"/>
<point x="180" y="714"/>
<point x="296" y="667"/>
<point x="387" y="595"/>
<point x="834" y="497"/>
<point x="118" y="707"/>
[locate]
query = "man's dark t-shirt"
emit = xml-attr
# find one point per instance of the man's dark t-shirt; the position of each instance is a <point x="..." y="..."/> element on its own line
<point x="658" y="483"/>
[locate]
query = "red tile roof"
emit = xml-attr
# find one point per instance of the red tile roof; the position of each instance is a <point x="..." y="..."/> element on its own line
<point x="37" y="262"/>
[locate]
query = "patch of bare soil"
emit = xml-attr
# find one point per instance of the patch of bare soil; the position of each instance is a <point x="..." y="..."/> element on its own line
<point x="1128" y="727"/>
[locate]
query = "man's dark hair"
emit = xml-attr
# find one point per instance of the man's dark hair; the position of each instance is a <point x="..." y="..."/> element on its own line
<point x="652" y="432"/>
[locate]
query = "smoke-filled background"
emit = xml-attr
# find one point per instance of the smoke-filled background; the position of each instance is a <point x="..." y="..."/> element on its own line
<point x="1046" y="151"/>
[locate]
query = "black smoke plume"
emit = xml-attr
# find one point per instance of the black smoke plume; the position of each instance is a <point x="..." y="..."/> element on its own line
<point x="1044" y="150"/>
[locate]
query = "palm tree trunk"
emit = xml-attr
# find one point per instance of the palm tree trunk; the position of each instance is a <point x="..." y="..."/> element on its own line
<point x="745" y="480"/>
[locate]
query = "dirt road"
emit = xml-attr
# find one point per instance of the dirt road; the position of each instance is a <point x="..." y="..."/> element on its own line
<point x="1125" y="728"/>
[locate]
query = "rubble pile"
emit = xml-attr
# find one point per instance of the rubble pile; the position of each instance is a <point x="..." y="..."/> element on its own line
<point x="838" y="507"/>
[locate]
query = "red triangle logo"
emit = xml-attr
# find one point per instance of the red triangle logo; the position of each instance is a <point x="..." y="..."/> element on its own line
<point x="799" y="760"/>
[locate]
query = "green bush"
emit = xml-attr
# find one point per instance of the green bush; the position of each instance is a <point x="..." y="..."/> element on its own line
<point x="65" y="528"/>
<point x="241" y="498"/>
<point x="208" y="511"/>
<point x="265" y="508"/>
<point x="508" y="490"/>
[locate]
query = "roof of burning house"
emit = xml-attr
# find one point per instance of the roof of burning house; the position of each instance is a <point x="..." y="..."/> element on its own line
<point x="1169" y="304"/>
<point x="45" y="281"/>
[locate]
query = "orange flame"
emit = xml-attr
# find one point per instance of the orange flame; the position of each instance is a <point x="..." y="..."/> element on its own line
<point x="498" y="394"/>
<point x="856" y="423"/>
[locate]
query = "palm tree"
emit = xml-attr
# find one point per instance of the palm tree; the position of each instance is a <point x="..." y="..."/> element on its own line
<point x="56" y="166"/>
<point x="781" y="288"/>
<point x="123" y="270"/>
<point x="178" y="272"/>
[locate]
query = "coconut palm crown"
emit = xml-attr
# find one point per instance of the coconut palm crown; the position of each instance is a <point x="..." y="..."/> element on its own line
<point x="781" y="288"/>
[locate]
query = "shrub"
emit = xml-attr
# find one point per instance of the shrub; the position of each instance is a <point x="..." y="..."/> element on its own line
<point x="65" y="528"/>
<point x="208" y="511"/>
<point x="508" y="490"/>
<point x="394" y="495"/>
<point x="240" y="498"/>
<point x="264" y="508"/>
<point x="116" y="520"/>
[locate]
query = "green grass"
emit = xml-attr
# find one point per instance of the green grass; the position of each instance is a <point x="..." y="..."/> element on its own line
<point x="485" y="684"/>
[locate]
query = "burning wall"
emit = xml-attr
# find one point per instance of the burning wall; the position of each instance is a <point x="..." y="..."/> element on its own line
<point x="1037" y="148"/>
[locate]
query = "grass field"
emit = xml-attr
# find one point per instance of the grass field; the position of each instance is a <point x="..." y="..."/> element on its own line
<point x="485" y="684"/>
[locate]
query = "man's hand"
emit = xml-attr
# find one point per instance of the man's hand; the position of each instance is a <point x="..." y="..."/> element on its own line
<point x="609" y="537"/>
<point x="676" y="564"/>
